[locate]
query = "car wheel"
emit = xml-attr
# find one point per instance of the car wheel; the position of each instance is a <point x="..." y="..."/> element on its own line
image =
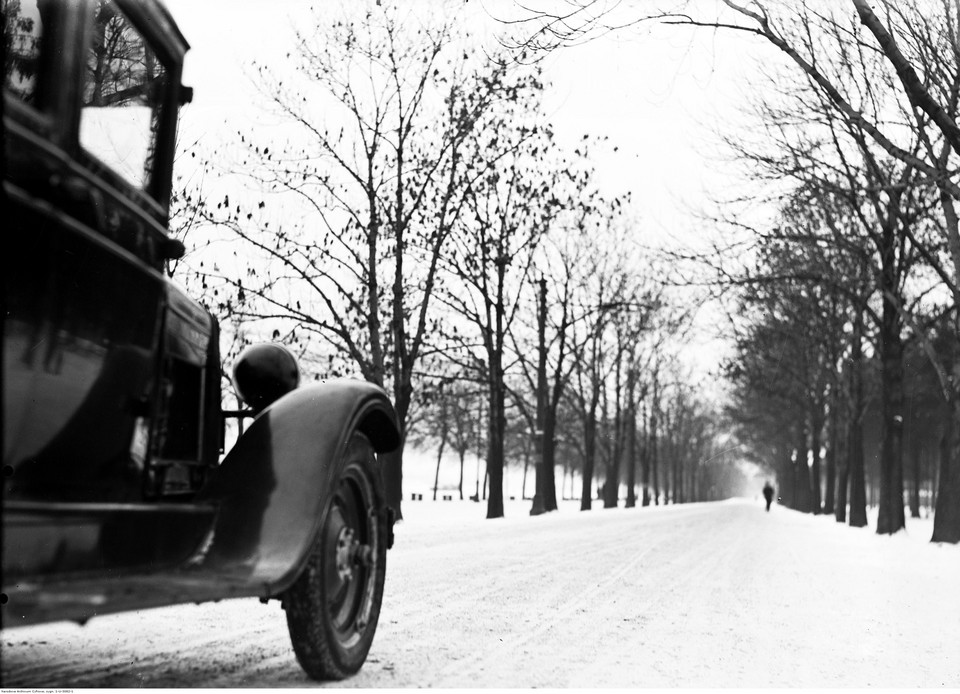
<point x="333" y="607"/>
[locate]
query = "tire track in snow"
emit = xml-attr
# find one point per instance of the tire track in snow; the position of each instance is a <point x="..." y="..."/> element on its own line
<point x="467" y="669"/>
<point x="427" y="625"/>
<point x="419" y="576"/>
<point x="655" y="644"/>
<point x="604" y="622"/>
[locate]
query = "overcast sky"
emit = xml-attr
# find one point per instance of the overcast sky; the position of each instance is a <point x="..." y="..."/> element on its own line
<point x="658" y="94"/>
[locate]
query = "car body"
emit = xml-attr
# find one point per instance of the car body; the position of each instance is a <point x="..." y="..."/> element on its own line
<point x="118" y="494"/>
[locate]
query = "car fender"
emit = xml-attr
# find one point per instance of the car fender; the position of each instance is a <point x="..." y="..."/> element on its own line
<point x="272" y="486"/>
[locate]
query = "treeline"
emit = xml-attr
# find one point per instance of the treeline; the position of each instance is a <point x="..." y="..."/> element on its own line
<point x="595" y="395"/>
<point x="847" y="376"/>
<point x="847" y="371"/>
<point x="405" y="214"/>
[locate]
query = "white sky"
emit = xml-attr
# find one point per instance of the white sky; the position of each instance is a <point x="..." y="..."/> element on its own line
<point x="658" y="95"/>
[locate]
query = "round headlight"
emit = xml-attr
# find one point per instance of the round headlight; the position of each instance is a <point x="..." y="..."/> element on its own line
<point x="264" y="373"/>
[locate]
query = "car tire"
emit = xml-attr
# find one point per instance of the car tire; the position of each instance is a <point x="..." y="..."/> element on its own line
<point x="334" y="604"/>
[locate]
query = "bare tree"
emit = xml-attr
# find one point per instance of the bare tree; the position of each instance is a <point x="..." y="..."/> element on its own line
<point x="347" y="230"/>
<point x="510" y="208"/>
<point x="582" y="215"/>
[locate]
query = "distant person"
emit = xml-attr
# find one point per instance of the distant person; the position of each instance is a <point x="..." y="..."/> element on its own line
<point x="768" y="494"/>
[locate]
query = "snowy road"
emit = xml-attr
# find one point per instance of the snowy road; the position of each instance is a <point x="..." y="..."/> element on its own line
<point x="705" y="595"/>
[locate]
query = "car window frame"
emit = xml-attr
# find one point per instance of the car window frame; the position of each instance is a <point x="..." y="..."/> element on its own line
<point x="154" y="196"/>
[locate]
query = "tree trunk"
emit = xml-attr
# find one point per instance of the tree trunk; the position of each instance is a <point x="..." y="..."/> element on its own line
<point x="858" y="491"/>
<point x="539" y="436"/>
<point x="393" y="462"/>
<point x="855" y="465"/>
<point x="631" y="444"/>
<point x="802" y="472"/>
<point x="497" y="425"/>
<point x="816" y="427"/>
<point x="526" y="465"/>
<point x="589" y="448"/>
<point x="479" y="442"/>
<point x="786" y="482"/>
<point x="609" y="463"/>
<point x="831" y="457"/>
<point x="654" y="462"/>
<point x="436" y="475"/>
<point x="840" y="457"/>
<point x="678" y="476"/>
<point x="891" y="517"/>
<point x="611" y="487"/>
<point x="644" y="464"/>
<point x="654" y="449"/>
<point x="692" y="476"/>
<point x="666" y="460"/>
<point x="590" y="432"/>
<point x="391" y="467"/>
<point x="549" y="460"/>
<point x="676" y="459"/>
<point x="946" y="521"/>
<point x="915" y="475"/>
<point x="840" y="500"/>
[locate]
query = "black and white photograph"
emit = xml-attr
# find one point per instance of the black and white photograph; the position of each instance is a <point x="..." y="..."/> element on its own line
<point x="488" y="344"/>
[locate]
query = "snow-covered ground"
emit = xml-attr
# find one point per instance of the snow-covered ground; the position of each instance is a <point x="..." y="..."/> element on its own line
<point x="700" y="595"/>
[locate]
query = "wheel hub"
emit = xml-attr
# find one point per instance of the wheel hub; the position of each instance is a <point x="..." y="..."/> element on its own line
<point x="346" y="551"/>
<point x="351" y="554"/>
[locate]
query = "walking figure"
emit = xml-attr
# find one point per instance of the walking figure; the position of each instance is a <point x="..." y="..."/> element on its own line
<point x="768" y="494"/>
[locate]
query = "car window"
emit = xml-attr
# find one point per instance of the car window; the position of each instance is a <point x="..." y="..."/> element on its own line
<point x="122" y="96"/>
<point x="22" y="32"/>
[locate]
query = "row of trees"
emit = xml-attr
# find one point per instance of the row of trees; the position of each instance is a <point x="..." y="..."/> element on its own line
<point x="409" y="218"/>
<point x="847" y="329"/>
<point x="859" y="271"/>
<point x="847" y="325"/>
<point x="648" y="445"/>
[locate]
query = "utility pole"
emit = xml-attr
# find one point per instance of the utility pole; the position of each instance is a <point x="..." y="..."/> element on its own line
<point x="539" y="497"/>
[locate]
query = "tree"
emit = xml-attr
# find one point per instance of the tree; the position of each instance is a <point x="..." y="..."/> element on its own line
<point x="632" y="320"/>
<point x="346" y="232"/>
<point x="592" y="368"/>
<point x="581" y="219"/>
<point x="509" y="209"/>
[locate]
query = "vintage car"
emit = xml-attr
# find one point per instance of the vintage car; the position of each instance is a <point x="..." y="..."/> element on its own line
<point x="117" y="494"/>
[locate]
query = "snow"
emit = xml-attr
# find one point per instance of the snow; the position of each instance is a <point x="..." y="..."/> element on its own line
<point x="698" y="595"/>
